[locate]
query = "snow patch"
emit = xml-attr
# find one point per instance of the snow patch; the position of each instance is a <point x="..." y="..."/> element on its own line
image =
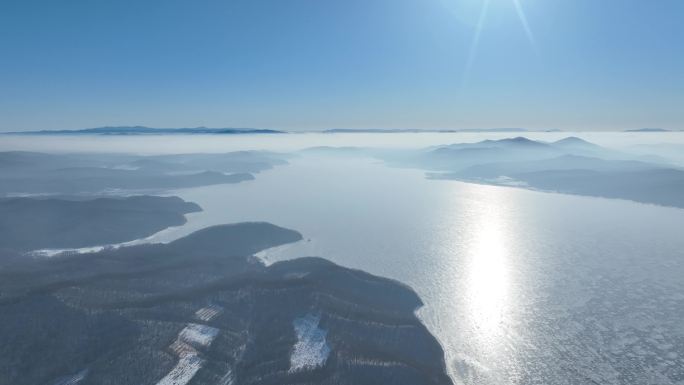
<point x="507" y="181"/>
<point x="208" y="313"/>
<point x="191" y="338"/>
<point x="311" y="349"/>
<point x="227" y="379"/>
<point x="72" y="380"/>
<point x="182" y="373"/>
<point x="198" y="335"/>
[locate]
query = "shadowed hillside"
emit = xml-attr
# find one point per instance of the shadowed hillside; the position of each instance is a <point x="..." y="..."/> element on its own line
<point x="37" y="223"/>
<point x="200" y="310"/>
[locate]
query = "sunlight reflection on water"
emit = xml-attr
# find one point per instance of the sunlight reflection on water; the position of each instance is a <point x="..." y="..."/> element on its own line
<point x="519" y="286"/>
<point x="478" y="289"/>
<point x="487" y="272"/>
<point x="509" y="277"/>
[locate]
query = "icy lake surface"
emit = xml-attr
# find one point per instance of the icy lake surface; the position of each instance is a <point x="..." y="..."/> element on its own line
<point x="520" y="287"/>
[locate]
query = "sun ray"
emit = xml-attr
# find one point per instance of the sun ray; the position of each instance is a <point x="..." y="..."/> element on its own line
<point x="526" y="25"/>
<point x="475" y="42"/>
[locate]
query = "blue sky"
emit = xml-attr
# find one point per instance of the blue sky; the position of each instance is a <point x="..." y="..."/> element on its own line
<point x="312" y="64"/>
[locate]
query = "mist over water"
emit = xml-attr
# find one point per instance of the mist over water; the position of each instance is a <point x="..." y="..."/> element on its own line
<point x="174" y="144"/>
<point x="519" y="286"/>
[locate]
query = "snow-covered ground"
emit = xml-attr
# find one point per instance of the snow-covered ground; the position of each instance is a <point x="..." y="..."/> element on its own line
<point x="182" y="373"/>
<point x="190" y="339"/>
<point x="197" y="335"/>
<point x="72" y="380"/>
<point x="208" y="313"/>
<point x="311" y="349"/>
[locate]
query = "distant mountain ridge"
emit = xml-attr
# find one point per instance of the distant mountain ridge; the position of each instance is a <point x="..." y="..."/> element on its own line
<point x="649" y="130"/>
<point x="142" y="130"/>
<point x="416" y="130"/>
<point x="30" y="173"/>
<point x="570" y="165"/>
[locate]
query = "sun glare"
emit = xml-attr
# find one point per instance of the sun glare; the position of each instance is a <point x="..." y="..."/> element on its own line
<point x="488" y="274"/>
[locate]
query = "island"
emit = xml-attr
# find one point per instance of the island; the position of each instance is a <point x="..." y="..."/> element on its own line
<point x="204" y="310"/>
<point x="60" y="223"/>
